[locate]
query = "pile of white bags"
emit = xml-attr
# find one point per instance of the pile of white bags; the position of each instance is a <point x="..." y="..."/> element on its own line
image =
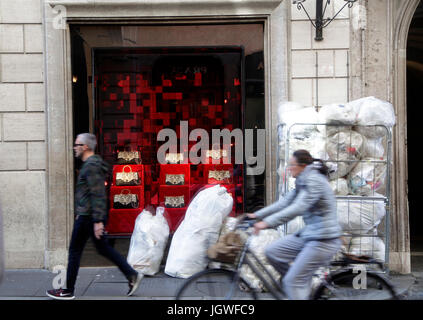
<point x="198" y="231"/>
<point x="301" y="122"/>
<point x="360" y="216"/>
<point x="369" y="246"/>
<point x="351" y="137"/>
<point x="344" y="133"/>
<point x="373" y="148"/>
<point x="372" y="111"/>
<point x="367" y="177"/>
<point x="347" y="147"/>
<point x="339" y="186"/>
<point x="148" y="242"/>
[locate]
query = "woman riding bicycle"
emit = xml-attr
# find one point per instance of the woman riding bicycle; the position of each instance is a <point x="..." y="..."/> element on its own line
<point x="313" y="246"/>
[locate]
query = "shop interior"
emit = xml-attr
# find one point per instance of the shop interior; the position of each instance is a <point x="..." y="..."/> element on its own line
<point x="132" y="81"/>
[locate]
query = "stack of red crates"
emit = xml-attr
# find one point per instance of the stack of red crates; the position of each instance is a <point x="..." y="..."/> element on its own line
<point x="174" y="215"/>
<point x="122" y="221"/>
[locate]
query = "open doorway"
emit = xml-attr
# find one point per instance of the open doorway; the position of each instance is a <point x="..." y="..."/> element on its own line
<point x="194" y="67"/>
<point x="414" y="107"/>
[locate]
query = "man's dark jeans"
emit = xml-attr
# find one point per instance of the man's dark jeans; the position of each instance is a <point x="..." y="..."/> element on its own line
<point x="82" y="230"/>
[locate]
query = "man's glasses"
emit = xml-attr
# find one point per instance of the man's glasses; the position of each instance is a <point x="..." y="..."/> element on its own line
<point x="78" y="144"/>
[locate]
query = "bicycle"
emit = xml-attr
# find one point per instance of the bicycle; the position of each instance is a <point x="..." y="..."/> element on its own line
<point x="338" y="284"/>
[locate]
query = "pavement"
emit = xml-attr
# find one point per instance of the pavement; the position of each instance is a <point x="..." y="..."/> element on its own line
<point x="108" y="283"/>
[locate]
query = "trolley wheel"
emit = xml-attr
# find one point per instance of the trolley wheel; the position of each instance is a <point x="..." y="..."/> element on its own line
<point x="344" y="286"/>
<point x="215" y="284"/>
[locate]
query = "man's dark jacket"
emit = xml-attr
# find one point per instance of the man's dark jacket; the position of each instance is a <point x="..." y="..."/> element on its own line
<point x="90" y="191"/>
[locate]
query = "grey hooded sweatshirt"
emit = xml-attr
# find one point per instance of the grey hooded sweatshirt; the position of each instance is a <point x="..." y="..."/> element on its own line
<point x="314" y="200"/>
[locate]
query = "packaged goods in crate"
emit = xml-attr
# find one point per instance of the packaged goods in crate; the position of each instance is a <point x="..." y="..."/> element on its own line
<point x="216" y="156"/>
<point x="148" y="242"/>
<point x="129" y="157"/>
<point x="174" y="196"/>
<point x="218" y="173"/>
<point x="128" y="175"/>
<point x="174" y="174"/>
<point x="128" y="197"/>
<point x="198" y="231"/>
<point x="174" y="158"/>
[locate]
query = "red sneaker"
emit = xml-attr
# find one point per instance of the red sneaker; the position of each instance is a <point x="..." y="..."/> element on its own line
<point x="61" y="294"/>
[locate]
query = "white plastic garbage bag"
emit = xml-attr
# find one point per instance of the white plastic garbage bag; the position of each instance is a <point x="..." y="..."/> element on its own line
<point x="287" y="107"/>
<point x="148" y="242"/>
<point x="344" y="148"/>
<point x="367" y="177"/>
<point x="314" y="142"/>
<point x="337" y="114"/>
<point x="258" y="245"/>
<point x="369" y="246"/>
<point x="198" y="231"/>
<point x="339" y="186"/>
<point x="374" y="148"/>
<point x="300" y="122"/>
<point x="360" y="216"/>
<point x="372" y="111"/>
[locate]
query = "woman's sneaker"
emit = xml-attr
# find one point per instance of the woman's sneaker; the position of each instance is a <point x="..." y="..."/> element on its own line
<point x="61" y="294"/>
<point x="134" y="282"/>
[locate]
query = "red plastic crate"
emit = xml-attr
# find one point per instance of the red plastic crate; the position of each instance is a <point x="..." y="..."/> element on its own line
<point x="139" y="190"/>
<point x="122" y="220"/>
<point x="174" y="169"/>
<point x="174" y="217"/>
<point x="135" y="168"/>
<point x="174" y="191"/>
<point x="218" y="167"/>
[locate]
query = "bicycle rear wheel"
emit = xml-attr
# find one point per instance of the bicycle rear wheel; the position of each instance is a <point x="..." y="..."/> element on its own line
<point x="344" y="286"/>
<point x="214" y="284"/>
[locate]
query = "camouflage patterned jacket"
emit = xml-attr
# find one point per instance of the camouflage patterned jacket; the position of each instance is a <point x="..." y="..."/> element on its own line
<point x="90" y="191"/>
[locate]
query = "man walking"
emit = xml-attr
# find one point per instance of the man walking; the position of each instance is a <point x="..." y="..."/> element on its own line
<point x="91" y="214"/>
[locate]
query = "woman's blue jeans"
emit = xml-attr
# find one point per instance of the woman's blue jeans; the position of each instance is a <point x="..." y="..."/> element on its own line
<point x="306" y="257"/>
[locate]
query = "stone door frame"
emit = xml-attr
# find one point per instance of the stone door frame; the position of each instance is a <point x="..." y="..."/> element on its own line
<point x="400" y="239"/>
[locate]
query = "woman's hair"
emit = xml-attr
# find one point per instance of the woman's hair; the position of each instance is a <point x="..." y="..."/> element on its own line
<point x="304" y="157"/>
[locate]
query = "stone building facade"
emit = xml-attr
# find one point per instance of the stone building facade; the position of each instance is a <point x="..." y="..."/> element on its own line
<point x="363" y="53"/>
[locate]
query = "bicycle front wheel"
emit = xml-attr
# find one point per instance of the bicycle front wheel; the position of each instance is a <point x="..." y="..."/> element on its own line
<point x="346" y="286"/>
<point x="215" y="284"/>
